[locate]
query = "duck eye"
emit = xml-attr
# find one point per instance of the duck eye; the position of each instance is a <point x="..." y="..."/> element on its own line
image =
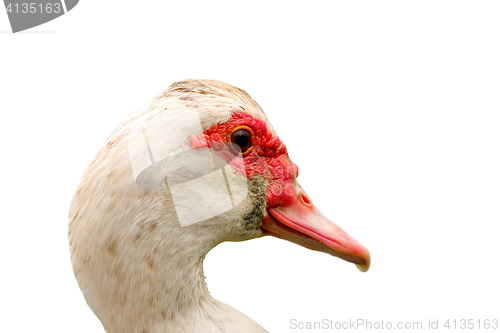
<point x="243" y="139"/>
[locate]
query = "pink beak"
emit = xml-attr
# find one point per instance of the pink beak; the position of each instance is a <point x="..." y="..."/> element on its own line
<point x="302" y="223"/>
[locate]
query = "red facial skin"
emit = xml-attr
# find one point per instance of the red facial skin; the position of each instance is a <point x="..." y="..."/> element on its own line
<point x="267" y="157"/>
<point x="291" y="216"/>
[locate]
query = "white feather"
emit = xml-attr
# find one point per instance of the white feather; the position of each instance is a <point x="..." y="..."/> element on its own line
<point x="139" y="266"/>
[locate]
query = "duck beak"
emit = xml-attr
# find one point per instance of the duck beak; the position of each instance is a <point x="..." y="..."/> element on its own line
<point x="300" y="222"/>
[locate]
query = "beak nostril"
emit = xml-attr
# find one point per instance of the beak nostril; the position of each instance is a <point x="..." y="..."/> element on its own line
<point x="306" y="200"/>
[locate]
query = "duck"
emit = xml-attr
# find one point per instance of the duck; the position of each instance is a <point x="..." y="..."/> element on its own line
<point x="198" y="165"/>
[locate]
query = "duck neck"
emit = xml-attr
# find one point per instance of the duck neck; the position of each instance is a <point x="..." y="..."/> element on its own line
<point x="154" y="289"/>
<point x="170" y="295"/>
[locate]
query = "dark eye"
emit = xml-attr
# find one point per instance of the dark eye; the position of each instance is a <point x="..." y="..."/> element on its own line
<point x="243" y="139"/>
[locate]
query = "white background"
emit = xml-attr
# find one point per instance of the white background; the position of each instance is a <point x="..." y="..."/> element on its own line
<point x="391" y="110"/>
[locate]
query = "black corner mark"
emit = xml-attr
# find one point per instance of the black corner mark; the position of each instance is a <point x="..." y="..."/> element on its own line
<point x="26" y="14"/>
